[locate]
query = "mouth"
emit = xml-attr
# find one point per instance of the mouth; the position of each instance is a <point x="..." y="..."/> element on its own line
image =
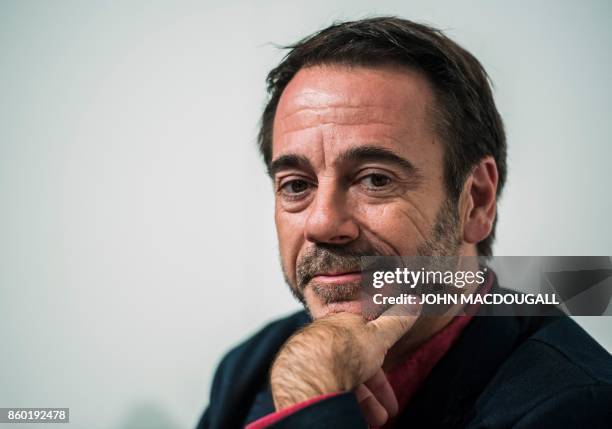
<point x="333" y="278"/>
<point x="342" y="292"/>
<point x="338" y="291"/>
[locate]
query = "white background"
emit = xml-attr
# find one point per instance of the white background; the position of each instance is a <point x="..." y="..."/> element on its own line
<point x="136" y="234"/>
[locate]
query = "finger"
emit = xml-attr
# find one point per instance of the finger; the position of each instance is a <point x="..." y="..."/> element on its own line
<point x="379" y="386"/>
<point x="362" y="392"/>
<point x="374" y="413"/>
<point x="395" y="322"/>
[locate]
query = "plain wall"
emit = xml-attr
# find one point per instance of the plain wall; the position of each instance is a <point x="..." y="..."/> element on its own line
<point x="137" y="241"/>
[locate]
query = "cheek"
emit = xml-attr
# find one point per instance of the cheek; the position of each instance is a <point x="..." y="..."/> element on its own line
<point x="401" y="224"/>
<point x="290" y="233"/>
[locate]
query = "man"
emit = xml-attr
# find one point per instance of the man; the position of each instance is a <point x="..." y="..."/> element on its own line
<point x="382" y="138"/>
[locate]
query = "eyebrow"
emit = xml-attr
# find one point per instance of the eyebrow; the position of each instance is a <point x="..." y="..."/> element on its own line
<point x="286" y="162"/>
<point x="356" y="154"/>
<point x="377" y="153"/>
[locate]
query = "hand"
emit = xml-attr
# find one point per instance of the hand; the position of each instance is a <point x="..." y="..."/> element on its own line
<point x="342" y="352"/>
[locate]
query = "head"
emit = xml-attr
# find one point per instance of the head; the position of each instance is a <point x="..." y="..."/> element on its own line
<point x="381" y="137"/>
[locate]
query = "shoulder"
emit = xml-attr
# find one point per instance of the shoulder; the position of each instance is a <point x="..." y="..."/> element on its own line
<point x="560" y="353"/>
<point x="572" y="347"/>
<point x="554" y="368"/>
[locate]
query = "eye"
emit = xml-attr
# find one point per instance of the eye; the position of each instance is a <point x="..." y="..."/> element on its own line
<point x="295" y="187"/>
<point x="376" y="180"/>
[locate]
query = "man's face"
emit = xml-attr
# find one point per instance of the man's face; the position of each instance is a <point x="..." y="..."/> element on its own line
<point x="358" y="171"/>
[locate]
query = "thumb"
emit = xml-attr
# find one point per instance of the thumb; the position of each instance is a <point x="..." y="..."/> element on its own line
<point x="391" y="325"/>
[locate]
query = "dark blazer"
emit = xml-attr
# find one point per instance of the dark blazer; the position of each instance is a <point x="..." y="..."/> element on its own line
<point x="502" y="372"/>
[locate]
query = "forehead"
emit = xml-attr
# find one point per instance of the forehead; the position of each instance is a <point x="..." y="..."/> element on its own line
<point x="337" y="105"/>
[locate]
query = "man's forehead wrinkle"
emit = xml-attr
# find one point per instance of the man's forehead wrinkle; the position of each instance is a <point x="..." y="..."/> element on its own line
<point x="336" y="136"/>
<point x="337" y="109"/>
<point x="285" y="129"/>
<point x="339" y="91"/>
<point x="324" y="97"/>
<point x="338" y="115"/>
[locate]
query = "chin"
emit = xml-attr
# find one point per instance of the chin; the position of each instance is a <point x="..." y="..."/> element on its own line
<point x="354" y="307"/>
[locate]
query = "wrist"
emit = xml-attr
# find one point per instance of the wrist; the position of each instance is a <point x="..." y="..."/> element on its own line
<point x="292" y="385"/>
<point x="321" y="359"/>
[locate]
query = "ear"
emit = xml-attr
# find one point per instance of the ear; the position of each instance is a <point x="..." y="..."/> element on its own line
<point x="478" y="201"/>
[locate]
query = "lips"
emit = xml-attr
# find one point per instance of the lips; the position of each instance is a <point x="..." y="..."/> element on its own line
<point x="337" y="277"/>
<point x="336" y="286"/>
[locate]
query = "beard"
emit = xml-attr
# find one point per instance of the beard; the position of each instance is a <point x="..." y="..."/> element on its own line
<point x="443" y="242"/>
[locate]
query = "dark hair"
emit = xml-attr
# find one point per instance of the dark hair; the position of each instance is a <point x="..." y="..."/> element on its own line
<point x="465" y="116"/>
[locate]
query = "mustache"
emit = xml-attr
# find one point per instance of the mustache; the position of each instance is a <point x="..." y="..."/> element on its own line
<point x="333" y="258"/>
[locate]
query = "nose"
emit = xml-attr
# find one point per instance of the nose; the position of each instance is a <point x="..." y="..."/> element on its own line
<point x="330" y="219"/>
